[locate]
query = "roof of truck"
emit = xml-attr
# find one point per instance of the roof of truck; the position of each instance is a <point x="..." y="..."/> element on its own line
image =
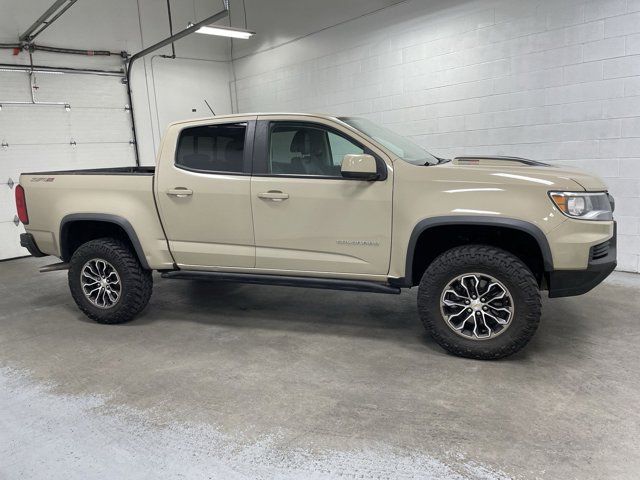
<point x="255" y="114"/>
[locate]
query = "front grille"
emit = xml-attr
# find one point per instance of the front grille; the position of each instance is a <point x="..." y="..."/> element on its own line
<point x="600" y="251"/>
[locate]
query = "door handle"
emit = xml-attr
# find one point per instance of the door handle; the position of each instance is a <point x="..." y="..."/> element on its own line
<point x="274" y="195"/>
<point x="180" y="192"/>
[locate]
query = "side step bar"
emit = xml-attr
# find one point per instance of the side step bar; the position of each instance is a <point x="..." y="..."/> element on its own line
<point x="287" y="281"/>
<point x="54" y="267"/>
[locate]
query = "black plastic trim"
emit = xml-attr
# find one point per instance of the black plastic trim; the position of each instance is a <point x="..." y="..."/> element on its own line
<point x="567" y="283"/>
<point x="141" y="171"/>
<point x="28" y="242"/>
<point x="479" y="220"/>
<point x="284" y="280"/>
<point x="367" y="177"/>
<point x="524" y="161"/>
<point x="260" y="165"/>
<point x="316" y="177"/>
<point x="106" y="218"/>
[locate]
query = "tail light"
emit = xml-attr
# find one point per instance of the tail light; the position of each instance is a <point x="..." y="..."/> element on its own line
<point x="21" y="205"/>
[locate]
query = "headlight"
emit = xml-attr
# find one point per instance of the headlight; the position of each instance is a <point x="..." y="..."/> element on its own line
<point x="584" y="205"/>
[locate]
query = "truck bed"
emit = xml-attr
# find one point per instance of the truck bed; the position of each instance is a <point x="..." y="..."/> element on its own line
<point x="123" y="196"/>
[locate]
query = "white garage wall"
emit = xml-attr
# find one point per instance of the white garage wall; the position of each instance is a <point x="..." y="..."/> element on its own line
<point x="164" y="90"/>
<point x="551" y="80"/>
<point x="95" y="130"/>
<point x="183" y="87"/>
<point x="130" y="25"/>
<point x="167" y="90"/>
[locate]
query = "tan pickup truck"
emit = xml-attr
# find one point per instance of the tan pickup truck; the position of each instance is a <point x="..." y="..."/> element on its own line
<point x="325" y="202"/>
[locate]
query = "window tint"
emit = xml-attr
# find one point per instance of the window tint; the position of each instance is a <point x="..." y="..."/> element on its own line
<point x="340" y="147"/>
<point x="307" y="150"/>
<point x="212" y="148"/>
<point x="406" y="149"/>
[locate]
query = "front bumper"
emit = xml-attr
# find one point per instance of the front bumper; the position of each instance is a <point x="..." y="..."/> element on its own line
<point x="28" y="242"/>
<point x="602" y="261"/>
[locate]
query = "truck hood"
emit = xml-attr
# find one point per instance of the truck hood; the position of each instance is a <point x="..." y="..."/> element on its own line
<point x="523" y="169"/>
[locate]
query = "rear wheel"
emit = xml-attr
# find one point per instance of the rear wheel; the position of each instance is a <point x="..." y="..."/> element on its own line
<point x="479" y="302"/>
<point x="107" y="281"/>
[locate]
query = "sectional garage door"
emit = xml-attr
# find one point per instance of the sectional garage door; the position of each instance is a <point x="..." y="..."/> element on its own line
<point x="89" y="126"/>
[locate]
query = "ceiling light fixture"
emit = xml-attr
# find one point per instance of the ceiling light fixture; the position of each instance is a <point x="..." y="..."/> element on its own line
<point x="226" y="31"/>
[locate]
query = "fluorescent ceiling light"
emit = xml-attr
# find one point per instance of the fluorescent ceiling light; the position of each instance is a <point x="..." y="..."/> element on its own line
<point x="225" y="31"/>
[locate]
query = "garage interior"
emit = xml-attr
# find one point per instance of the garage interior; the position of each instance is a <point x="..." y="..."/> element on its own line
<point x="253" y="381"/>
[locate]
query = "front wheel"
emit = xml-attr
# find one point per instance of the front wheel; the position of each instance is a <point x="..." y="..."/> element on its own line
<point x="107" y="281"/>
<point x="479" y="302"/>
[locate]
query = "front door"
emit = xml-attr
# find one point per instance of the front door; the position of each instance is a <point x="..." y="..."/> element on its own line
<point x="307" y="218"/>
<point x="203" y="194"/>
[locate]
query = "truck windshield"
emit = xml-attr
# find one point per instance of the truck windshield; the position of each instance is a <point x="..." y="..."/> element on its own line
<point x="404" y="148"/>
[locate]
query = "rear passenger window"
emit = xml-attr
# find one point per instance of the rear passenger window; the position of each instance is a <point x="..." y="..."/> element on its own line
<point x="212" y="148"/>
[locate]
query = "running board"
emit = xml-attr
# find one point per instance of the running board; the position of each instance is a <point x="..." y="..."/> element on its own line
<point x="54" y="267"/>
<point x="286" y="281"/>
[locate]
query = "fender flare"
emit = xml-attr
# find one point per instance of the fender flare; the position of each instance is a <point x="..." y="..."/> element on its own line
<point x="504" y="222"/>
<point x="104" y="218"/>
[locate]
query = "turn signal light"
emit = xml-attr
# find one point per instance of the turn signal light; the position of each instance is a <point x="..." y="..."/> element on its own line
<point x="560" y="200"/>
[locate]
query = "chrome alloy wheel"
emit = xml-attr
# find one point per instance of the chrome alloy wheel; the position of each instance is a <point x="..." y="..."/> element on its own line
<point x="100" y="283"/>
<point x="477" y="306"/>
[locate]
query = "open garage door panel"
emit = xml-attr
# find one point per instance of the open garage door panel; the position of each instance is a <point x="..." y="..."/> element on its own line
<point x="88" y="125"/>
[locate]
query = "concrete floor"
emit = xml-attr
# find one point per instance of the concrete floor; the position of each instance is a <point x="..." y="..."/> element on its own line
<point x="228" y="381"/>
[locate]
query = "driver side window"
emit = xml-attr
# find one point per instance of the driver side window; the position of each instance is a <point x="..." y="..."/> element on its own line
<point x="306" y="150"/>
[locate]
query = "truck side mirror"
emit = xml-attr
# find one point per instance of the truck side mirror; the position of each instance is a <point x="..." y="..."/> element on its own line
<point x="359" y="167"/>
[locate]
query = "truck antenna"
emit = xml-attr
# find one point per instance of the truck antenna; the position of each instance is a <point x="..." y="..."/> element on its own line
<point x="205" y="101"/>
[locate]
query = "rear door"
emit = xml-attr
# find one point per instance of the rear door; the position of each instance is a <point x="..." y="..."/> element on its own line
<point x="307" y="218"/>
<point x="203" y="189"/>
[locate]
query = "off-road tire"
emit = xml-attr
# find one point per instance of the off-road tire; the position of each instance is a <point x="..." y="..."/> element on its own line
<point x="501" y="265"/>
<point x="137" y="283"/>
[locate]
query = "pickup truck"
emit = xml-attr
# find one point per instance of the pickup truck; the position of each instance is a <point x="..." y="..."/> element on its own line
<point x="325" y="202"/>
